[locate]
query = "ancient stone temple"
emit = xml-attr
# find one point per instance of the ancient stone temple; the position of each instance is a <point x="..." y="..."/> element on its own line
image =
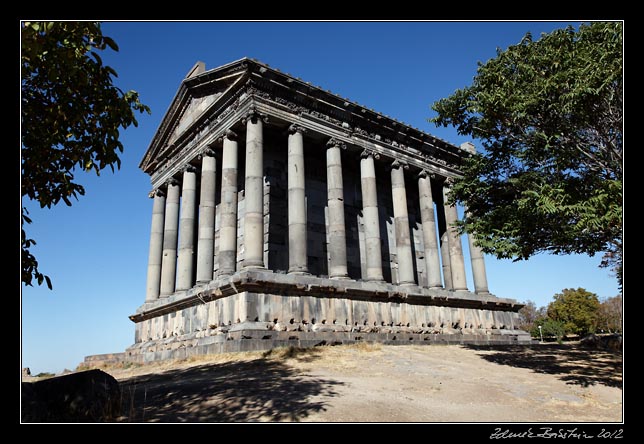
<point x="284" y="214"/>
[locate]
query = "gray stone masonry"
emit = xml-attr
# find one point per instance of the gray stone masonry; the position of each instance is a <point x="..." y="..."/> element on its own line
<point x="169" y="261"/>
<point x="432" y="258"/>
<point x="401" y="223"/>
<point x="186" y="259"/>
<point x="228" y="207"/>
<point x="156" y="247"/>
<point x="207" y="205"/>
<point x="330" y="223"/>
<point x="478" y="266"/>
<point x="335" y="203"/>
<point x="254" y="192"/>
<point x="371" y="217"/>
<point x="456" y="260"/>
<point x="297" y="246"/>
<point x="270" y="307"/>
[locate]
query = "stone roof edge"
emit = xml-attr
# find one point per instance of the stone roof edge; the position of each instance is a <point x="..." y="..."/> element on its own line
<point x="193" y="80"/>
<point x="328" y="93"/>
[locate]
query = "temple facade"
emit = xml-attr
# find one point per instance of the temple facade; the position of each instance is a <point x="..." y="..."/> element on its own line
<point x="285" y="214"/>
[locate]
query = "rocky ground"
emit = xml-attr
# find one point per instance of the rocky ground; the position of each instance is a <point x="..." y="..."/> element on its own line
<point x="374" y="383"/>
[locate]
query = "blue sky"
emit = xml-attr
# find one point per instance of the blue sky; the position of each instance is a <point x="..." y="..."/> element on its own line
<point x="96" y="250"/>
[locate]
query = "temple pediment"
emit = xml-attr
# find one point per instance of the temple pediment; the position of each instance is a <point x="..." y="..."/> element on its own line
<point x="194" y="101"/>
<point x="195" y="108"/>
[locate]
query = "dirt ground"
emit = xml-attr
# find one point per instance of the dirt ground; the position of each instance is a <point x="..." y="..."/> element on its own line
<point x="374" y="383"/>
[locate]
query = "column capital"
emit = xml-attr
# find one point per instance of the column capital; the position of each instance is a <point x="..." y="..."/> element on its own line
<point x="369" y="153"/>
<point x="207" y="152"/>
<point x="295" y="128"/>
<point x="399" y="164"/>
<point x="253" y="115"/>
<point x="228" y="134"/>
<point x="156" y="192"/>
<point x="424" y="174"/>
<point x="171" y="182"/>
<point x="190" y="169"/>
<point x="335" y="142"/>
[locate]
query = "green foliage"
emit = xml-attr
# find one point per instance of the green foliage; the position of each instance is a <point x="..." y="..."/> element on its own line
<point x="548" y="114"/>
<point x="71" y="116"/>
<point x="550" y="328"/>
<point x="577" y="309"/>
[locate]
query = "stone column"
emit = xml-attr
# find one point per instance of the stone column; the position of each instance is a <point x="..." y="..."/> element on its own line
<point x="457" y="262"/>
<point x="447" y="268"/>
<point x="478" y="266"/>
<point x="401" y="224"/>
<point x="254" y="192"/>
<point x="297" y="254"/>
<point x="370" y="216"/>
<point x="171" y="222"/>
<point x="206" y="242"/>
<point x="228" y="206"/>
<point x="186" y="259"/>
<point x="335" y="201"/>
<point x="156" y="246"/>
<point x="432" y="261"/>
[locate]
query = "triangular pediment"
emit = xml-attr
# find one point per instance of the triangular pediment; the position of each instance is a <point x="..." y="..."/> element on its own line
<point x="197" y="97"/>
<point x="195" y="108"/>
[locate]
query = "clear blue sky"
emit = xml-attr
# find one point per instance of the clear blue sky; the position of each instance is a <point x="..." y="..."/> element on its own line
<point x="96" y="251"/>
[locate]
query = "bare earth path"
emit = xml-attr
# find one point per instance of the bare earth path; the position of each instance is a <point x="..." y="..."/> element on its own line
<point x="547" y="383"/>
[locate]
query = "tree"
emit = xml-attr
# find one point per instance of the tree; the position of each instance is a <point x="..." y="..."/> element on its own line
<point x="610" y="314"/>
<point x="549" y="328"/>
<point x="71" y="115"/>
<point x="529" y="315"/>
<point x="576" y="309"/>
<point x="548" y="114"/>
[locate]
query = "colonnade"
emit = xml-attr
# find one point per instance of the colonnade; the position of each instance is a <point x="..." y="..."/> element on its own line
<point x="173" y="246"/>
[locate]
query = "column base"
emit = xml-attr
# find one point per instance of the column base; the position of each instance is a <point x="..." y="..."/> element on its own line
<point x="254" y="266"/>
<point x="224" y="274"/>
<point x="339" y="277"/>
<point x="303" y="272"/>
<point x="406" y="284"/>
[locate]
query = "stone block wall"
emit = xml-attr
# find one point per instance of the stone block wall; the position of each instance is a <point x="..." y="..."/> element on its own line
<point x="265" y="311"/>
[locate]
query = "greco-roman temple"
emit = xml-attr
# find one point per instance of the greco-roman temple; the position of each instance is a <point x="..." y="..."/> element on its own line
<point x="284" y="214"/>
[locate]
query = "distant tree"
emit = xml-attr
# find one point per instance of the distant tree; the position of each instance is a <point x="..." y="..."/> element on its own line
<point x="550" y="328"/>
<point x="71" y="115"/>
<point x="549" y="116"/>
<point x="577" y="309"/>
<point x="529" y="315"/>
<point x="610" y="314"/>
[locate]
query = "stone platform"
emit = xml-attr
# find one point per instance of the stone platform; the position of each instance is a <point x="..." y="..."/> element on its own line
<point x="260" y="309"/>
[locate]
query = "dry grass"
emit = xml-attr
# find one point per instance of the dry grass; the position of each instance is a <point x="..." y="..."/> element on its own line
<point x="362" y="382"/>
<point x="339" y="357"/>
